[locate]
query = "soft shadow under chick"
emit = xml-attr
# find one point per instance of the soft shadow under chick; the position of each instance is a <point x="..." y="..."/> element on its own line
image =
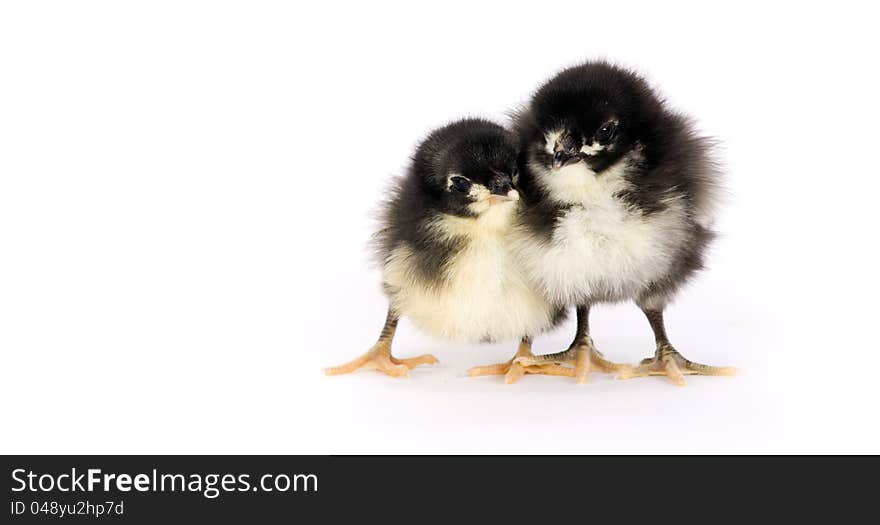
<point x="443" y="248"/>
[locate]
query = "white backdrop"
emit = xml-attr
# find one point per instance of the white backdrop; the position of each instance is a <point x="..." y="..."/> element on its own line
<point x="185" y="199"/>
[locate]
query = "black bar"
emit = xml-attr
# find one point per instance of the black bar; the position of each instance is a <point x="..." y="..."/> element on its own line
<point x="379" y="487"/>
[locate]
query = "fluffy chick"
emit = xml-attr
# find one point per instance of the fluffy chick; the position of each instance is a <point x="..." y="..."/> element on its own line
<point x="443" y="248"/>
<point x="619" y="197"/>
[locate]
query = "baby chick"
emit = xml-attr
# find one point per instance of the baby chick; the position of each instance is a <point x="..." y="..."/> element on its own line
<point x="443" y="248"/>
<point x="619" y="197"/>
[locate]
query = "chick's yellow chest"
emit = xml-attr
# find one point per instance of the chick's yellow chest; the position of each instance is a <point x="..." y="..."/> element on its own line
<point x="482" y="295"/>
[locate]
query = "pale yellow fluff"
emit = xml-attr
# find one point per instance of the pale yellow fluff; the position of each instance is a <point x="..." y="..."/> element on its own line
<point x="485" y="294"/>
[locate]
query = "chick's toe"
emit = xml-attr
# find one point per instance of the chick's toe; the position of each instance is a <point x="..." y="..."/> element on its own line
<point x="379" y="358"/>
<point x="668" y="362"/>
<point x="513" y="370"/>
<point x="581" y="358"/>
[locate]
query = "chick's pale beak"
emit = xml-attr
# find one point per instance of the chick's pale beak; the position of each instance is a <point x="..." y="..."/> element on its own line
<point x="510" y="196"/>
<point x="560" y="159"/>
<point x="565" y="151"/>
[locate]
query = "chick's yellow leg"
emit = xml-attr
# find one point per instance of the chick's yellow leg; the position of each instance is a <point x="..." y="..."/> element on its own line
<point x="582" y="355"/>
<point x="582" y="358"/>
<point x="379" y="357"/>
<point x="667" y="361"/>
<point x="513" y="370"/>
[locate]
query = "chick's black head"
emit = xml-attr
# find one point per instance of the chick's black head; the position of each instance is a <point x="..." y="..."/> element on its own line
<point x="594" y="113"/>
<point x="467" y="167"/>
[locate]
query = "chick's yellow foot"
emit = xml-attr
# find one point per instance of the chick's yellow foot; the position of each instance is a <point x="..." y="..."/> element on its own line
<point x="668" y="362"/>
<point x="379" y="358"/>
<point x="513" y="371"/>
<point x="582" y="359"/>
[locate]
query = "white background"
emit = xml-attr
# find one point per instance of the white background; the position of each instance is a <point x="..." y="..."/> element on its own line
<point x="185" y="199"/>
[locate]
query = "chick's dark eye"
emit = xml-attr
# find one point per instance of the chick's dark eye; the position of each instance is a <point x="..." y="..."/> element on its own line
<point x="460" y="184"/>
<point x="605" y="134"/>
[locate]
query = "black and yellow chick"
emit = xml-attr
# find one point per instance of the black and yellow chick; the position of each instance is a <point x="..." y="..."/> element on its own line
<point x="619" y="197"/>
<point x="444" y="252"/>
